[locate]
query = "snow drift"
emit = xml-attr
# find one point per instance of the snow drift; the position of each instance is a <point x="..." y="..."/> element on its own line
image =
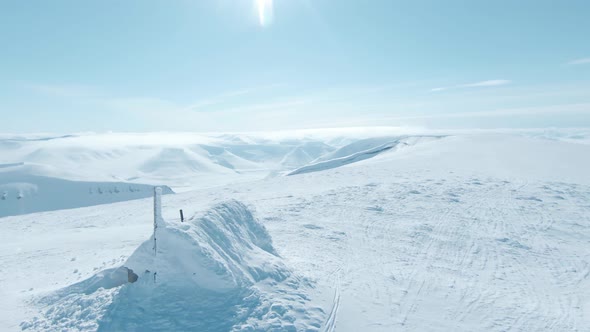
<point x="358" y="151"/>
<point x="358" y="146"/>
<point x="216" y="272"/>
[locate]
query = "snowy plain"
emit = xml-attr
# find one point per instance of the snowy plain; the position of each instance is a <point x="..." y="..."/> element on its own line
<point x="404" y="231"/>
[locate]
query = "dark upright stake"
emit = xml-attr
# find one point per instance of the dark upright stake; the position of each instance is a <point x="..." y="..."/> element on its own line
<point x="181" y="216"/>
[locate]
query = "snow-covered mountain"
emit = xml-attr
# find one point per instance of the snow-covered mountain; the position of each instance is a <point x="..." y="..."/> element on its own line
<point x="44" y="173"/>
<point x="467" y="232"/>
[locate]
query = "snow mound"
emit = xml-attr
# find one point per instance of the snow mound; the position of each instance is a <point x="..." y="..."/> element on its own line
<point x="357" y="151"/>
<point x="215" y="272"/>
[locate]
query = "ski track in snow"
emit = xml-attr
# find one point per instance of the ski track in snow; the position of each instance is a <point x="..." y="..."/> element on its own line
<point x="330" y="324"/>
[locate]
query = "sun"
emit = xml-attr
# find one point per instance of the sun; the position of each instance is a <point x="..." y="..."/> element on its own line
<point x="265" y="12"/>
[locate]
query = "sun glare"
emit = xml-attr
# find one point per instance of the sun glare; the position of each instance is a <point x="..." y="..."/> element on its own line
<point x="265" y="12"/>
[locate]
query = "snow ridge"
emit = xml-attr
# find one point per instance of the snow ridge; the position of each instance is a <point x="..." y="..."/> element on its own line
<point x="322" y="166"/>
<point x="360" y="150"/>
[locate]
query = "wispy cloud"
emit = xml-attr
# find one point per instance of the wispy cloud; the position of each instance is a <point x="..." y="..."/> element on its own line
<point x="481" y="84"/>
<point x="583" y="61"/>
<point x="486" y="83"/>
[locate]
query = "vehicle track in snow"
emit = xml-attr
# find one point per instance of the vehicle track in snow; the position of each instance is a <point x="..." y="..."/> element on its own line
<point x="448" y="253"/>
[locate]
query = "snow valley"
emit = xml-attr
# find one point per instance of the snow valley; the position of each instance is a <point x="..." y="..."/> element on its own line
<point x="356" y="230"/>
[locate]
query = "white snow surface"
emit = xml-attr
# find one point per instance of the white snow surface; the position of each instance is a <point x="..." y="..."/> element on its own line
<point x="484" y="232"/>
<point x="21" y="192"/>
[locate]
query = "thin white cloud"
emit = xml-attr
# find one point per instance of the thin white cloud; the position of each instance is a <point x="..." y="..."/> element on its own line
<point x="583" y="61"/>
<point x="488" y="83"/>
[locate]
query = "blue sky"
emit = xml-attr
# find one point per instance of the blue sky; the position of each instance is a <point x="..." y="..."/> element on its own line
<point x="243" y="65"/>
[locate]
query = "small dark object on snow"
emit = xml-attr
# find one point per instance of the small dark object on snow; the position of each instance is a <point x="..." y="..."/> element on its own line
<point x="131" y="276"/>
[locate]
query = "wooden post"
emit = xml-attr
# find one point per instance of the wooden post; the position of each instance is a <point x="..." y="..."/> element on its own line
<point x="181" y="216"/>
<point x="157" y="213"/>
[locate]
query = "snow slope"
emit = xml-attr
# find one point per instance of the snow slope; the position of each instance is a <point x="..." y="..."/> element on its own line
<point x="21" y="192"/>
<point x="463" y="233"/>
<point x="305" y="153"/>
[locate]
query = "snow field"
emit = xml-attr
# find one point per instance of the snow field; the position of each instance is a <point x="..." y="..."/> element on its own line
<point x="463" y="233"/>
